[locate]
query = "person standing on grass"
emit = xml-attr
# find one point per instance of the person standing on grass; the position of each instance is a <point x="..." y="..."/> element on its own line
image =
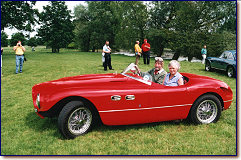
<point x="107" y="55"/>
<point x="146" y="51"/>
<point x="19" y="51"/>
<point x="137" y="52"/>
<point x="204" y="53"/>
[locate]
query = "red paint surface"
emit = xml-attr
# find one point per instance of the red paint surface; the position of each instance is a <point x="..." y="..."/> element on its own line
<point x="152" y="103"/>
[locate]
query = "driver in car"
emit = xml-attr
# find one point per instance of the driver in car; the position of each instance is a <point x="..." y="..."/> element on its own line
<point x="158" y="73"/>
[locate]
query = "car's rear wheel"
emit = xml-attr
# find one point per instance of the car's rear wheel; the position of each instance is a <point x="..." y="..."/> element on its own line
<point x="208" y="66"/>
<point x="230" y="71"/>
<point x="206" y="109"/>
<point x="75" y="119"/>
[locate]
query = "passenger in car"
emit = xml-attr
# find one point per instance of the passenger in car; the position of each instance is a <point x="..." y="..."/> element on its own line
<point x="173" y="78"/>
<point x="158" y="73"/>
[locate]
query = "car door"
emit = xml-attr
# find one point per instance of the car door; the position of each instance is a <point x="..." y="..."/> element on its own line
<point x="169" y="103"/>
<point x="222" y="61"/>
<point x="125" y="104"/>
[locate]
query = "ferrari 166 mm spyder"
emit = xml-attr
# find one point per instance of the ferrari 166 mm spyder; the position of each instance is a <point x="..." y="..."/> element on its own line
<point x="127" y="98"/>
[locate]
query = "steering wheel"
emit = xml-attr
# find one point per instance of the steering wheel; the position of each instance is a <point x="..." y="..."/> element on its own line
<point x="147" y="77"/>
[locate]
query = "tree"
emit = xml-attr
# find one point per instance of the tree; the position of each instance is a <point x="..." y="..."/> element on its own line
<point x="32" y="42"/>
<point x="57" y="27"/>
<point x="95" y="24"/>
<point x="162" y="13"/>
<point x="196" y="24"/>
<point x="133" y="17"/>
<point x="186" y="26"/>
<point x="82" y="27"/>
<point x="18" y="14"/>
<point x="4" y="39"/>
<point x="17" y="37"/>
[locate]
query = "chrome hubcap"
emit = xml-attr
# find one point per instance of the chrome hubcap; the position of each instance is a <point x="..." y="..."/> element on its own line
<point x="230" y="72"/>
<point x="79" y="121"/>
<point x="207" y="111"/>
<point x="207" y="67"/>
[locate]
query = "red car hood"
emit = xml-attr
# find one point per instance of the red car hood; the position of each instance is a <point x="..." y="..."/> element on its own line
<point x="91" y="78"/>
<point x="84" y="81"/>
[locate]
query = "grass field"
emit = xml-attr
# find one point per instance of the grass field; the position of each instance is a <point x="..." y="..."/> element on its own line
<point x="24" y="133"/>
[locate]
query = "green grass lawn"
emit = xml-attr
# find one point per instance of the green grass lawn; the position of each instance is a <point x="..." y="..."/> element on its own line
<point x="24" y="133"/>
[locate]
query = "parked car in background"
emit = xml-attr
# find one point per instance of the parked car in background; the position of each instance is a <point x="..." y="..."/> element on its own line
<point x="226" y="62"/>
<point x="126" y="98"/>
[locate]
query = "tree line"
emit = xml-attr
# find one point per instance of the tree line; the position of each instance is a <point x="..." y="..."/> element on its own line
<point x="182" y="26"/>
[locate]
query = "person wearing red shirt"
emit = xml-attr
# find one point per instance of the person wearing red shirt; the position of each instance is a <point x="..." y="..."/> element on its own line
<point x="146" y="51"/>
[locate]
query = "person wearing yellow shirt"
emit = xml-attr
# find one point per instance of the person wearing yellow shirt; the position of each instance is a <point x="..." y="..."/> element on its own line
<point x="137" y="52"/>
<point x="19" y="51"/>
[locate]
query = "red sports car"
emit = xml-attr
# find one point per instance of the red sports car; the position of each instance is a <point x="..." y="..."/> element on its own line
<point x="126" y="98"/>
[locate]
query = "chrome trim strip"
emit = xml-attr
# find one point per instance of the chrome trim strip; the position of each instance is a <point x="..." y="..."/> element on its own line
<point x="228" y="101"/>
<point x="140" y="80"/>
<point x="137" y="109"/>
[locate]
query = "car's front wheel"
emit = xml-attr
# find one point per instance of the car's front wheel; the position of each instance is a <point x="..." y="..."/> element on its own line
<point x="75" y="119"/>
<point x="206" y="109"/>
<point x="230" y="71"/>
<point x="208" y="66"/>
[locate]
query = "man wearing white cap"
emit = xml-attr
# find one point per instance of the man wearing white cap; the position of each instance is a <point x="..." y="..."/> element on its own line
<point x="158" y="73"/>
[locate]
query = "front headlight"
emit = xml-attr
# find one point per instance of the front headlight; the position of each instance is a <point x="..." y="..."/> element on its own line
<point x="38" y="100"/>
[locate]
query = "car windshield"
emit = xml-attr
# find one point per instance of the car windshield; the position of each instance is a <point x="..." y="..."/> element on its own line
<point x="147" y="78"/>
<point x="230" y="55"/>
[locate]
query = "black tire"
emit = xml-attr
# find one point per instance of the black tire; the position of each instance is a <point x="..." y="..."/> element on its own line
<point x="206" y="109"/>
<point x="208" y="66"/>
<point x="230" y="71"/>
<point x="75" y="119"/>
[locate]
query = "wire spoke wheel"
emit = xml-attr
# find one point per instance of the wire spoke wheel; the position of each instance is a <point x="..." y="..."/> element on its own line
<point x="79" y="121"/>
<point x="207" y="111"/>
<point x="75" y="119"/>
<point x="208" y="66"/>
<point x="230" y="72"/>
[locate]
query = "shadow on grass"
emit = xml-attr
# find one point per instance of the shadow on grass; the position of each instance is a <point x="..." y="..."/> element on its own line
<point x="102" y="127"/>
<point x="217" y="72"/>
<point x="49" y="125"/>
<point x="34" y="122"/>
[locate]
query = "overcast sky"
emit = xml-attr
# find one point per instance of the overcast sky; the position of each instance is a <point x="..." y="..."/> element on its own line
<point x="39" y="5"/>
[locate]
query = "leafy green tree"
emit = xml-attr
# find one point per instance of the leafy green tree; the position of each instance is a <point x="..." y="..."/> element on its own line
<point x="4" y="39"/>
<point x="82" y="27"/>
<point x="57" y="27"/>
<point x="162" y="13"/>
<point x="188" y="25"/>
<point x="33" y="42"/>
<point x="95" y="24"/>
<point x="201" y="19"/>
<point x="18" y="14"/>
<point x="133" y="18"/>
<point x="17" y="37"/>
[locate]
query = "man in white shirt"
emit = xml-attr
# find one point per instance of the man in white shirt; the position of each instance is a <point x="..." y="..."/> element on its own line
<point x="107" y="53"/>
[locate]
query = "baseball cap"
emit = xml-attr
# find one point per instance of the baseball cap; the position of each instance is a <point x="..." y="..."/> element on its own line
<point x="158" y="59"/>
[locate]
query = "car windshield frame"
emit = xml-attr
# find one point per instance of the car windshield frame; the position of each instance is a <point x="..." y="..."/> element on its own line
<point x="138" y="79"/>
<point x="128" y="68"/>
<point x="227" y="55"/>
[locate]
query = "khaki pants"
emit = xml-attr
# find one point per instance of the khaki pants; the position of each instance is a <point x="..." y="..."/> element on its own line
<point x="204" y="57"/>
